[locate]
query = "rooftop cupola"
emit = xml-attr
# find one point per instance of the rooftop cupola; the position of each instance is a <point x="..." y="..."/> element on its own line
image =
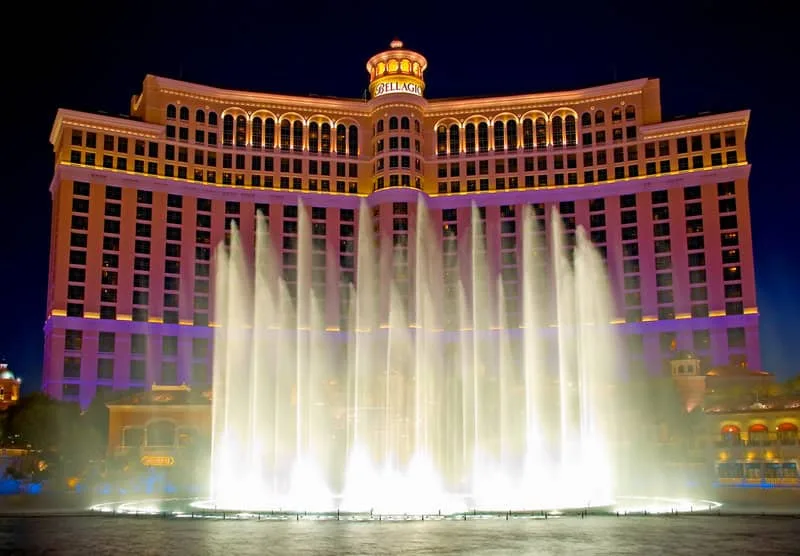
<point x="396" y="71"/>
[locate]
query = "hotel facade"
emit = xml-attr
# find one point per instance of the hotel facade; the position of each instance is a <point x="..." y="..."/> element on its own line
<point x="140" y="202"/>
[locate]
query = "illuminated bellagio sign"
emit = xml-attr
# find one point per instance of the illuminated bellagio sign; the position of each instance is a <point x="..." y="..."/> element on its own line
<point x="158" y="461"/>
<point x="397" y="86"/>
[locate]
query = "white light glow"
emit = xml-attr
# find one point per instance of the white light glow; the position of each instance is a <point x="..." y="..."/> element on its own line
<point x="444" y="396"/>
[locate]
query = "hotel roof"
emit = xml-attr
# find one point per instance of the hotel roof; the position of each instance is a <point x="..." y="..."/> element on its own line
<point x="164" y="396"/>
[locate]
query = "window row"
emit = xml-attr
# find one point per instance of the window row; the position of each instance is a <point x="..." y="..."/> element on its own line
<point x="289" y="135"/>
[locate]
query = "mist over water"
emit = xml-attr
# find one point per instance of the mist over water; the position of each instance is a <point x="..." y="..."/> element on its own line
<point x="441" y="395"/>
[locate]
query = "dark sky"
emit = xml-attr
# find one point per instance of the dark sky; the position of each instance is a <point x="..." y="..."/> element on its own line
<point x="711" y="56"/>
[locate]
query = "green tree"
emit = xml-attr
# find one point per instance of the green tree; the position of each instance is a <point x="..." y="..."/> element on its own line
<point x="36" y="422"/>
<point x="66" y="439"/>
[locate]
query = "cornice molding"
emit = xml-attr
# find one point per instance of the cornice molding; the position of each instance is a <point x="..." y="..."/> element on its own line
<point x="444" y="107"/>
<point x="256" y="101"/>
<point x="102" y="122"/>
<point x="697" y="124"/>
<point x="65" y="172"/>
<point x="432" y="107"/>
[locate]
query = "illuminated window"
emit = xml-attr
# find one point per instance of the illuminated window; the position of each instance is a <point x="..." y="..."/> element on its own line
<point x="558" y="132"/>
<point x="341" y="139"/>
<point x="269" y="133"/>
<point x="571" y="133"/>
<point x="313" y="137"/>
<point x="227" y="130"/>
<point x="441" y="140"/>
<point x="499" y="136"/>
<point x="511" y="134"/>
<point x="256" y="133"/>
<point x="599" y="117"/>
<point x="527" y="134"/>
<point x="286" y="134"/>
<point x="469" y="138"/>
<point x="541" y="133"/>
<point x="455" y="139"/>
<point x="297" y="136"/>
<point x="325" y="138"/>
<point x="483" y="137"/>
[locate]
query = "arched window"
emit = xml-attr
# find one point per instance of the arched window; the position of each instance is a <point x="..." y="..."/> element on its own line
<point x="269" y="134"/>
<point x="731" y="434"/>
<point x="558" y="131"/>
<point x="599" y="117"/>
<point x="241" y="131"/>
<point x="571" y="132"/>
<point x="297" y="140"/>
<point x="787" y="433"/>
<point x="185" y="113"/>
<point x="455" y="139"/>
<point x="405" y="123"/>
<point x="341" y="139"/>
<point x="212" y="118"/>
<point x="393" y="123"/>
<point x="630" y="112"/>
<point x="380" y="126"/>
<point x="325" y="138"/>
<point x="586" y="119"/>
<point x="200" y="116"/>
<point x="416" y="126"/>
<point x="541" y="133"/>
<point x="616" y="114"/>
<point x="441" y="140"/>
<point x="511" y="134"/>
<point x="227" y="130"/>
<point x="171" y="111"/>
<point x="758" y="435"/>
<point x="527" y="134"/>
<point x="499" y="136"/>
<point x="483" y="137"/>
<point x="352" y="139"/>
<point x="256" y="133"/>
<point x="313" y="137"/>
<point x="469" y="138"/>
<point x="286" y="135"/>
<point x="161" y="433"/>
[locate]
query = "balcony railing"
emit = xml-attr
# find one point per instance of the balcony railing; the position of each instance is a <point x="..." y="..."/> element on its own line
<point x="769" y="443"/>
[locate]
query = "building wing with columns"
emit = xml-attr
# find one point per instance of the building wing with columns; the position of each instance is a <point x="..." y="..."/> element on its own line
<point x="139" y="203"/>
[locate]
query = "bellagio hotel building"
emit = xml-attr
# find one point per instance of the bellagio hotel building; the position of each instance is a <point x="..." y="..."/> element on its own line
<point x="140" y="202"/>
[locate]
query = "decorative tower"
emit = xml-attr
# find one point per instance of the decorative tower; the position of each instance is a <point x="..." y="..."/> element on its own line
<point x="689" y="379"/>
<point x="9" y="387"/>
<point x="396" y="71"/>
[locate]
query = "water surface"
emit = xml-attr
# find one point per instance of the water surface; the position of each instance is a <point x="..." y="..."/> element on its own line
<point x="100" y="535"/>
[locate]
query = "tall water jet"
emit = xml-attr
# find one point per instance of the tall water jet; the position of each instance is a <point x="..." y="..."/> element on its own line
<point x="453" y="385"/>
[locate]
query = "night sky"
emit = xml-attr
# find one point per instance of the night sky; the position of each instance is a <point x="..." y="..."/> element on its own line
<point x="710" y="56"/>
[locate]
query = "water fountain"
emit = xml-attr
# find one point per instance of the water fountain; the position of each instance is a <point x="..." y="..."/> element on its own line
<point x="435" y="401"/>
